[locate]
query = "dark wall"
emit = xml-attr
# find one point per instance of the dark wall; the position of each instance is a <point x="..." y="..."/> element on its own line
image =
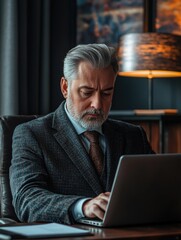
<point x="46" y="31"/>
<point x="132" y="93"/>
<point x="63" y="36"/>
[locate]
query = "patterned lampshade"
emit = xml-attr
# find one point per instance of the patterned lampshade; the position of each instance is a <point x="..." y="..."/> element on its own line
<point x="149" y="55"/>
<point x="140" y="53"/>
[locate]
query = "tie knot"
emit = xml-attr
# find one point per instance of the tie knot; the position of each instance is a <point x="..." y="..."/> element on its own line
<point x="92" y="136"/>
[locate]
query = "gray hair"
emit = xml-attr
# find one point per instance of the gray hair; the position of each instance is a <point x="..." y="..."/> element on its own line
<point x="98" y="55"/>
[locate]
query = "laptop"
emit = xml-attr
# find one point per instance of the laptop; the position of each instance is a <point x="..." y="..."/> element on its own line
<point x="146" y="190"/>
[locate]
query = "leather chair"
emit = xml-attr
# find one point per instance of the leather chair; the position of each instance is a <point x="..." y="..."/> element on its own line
<point x="7" y="126"/>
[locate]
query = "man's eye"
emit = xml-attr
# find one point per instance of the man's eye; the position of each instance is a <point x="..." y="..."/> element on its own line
<point x="86" y="94"/>
<point x="106" y="93"/>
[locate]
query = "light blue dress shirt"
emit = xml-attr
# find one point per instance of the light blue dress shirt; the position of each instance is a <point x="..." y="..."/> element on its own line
<point x="77" y="207"/>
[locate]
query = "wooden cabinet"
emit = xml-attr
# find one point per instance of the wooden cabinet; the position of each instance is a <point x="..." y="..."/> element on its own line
<point x="163" y="131"/>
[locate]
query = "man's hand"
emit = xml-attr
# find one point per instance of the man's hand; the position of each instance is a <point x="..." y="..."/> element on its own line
<point x="96" y="207"/>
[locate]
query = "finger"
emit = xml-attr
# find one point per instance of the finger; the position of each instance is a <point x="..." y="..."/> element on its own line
<point x="96" y="207"/>
<point x="103" y="196"/>
<point x="101" y="200"/>
<point x="90" y="208"/>
<point x="107" y="193"/>
<point x="97" y="211"/>
<point x="101" y="203"/>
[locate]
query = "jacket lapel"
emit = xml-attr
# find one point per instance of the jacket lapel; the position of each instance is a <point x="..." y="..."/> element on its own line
<point x="67" y="137"/>
<point x="115" y="143"/>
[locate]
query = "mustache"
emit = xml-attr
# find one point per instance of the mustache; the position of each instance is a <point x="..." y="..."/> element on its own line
<point x="93" y="111"/>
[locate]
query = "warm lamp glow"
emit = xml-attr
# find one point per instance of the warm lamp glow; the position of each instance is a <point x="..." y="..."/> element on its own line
<point x="149" y="55"/>
<point x="154" y="73"/>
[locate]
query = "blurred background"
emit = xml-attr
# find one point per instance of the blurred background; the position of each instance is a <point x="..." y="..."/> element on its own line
<point x="35" y="36"/>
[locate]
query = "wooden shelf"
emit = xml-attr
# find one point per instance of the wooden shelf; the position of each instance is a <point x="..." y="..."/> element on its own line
<point x="163" y="130"/>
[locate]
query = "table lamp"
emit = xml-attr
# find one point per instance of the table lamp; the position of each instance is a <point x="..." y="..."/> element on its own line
<point x="149" y="55"/>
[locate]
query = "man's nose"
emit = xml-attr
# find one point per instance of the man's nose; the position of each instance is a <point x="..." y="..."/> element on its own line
<point x="96" y="101"/>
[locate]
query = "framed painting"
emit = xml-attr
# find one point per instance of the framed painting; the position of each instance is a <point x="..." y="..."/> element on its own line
<point x="168" y="17"/>
<point x="104" y="21"/>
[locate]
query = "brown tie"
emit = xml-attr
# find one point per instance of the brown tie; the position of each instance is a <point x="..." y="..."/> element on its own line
<point x="95" y="151"/>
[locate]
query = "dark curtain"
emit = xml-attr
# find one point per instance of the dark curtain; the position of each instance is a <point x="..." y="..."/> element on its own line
<point x="34" y="38"/>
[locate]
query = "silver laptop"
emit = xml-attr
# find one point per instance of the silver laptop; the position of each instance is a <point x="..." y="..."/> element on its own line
<point x="146" y="190"/>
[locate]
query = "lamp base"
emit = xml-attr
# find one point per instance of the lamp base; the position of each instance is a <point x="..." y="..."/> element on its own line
<point x="155" y="111"/>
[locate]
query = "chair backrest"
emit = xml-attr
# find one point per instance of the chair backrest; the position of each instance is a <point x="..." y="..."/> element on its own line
<point x="7" y="126"/>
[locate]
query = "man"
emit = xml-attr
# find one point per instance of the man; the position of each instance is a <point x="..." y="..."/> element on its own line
<point x="52" y="175"/>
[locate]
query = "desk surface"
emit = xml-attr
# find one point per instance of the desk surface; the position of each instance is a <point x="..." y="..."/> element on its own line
<point x="171" y="231"/>
<point x="159" y="232"/>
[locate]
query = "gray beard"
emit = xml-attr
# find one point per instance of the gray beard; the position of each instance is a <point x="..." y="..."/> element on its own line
<point x="89" y="124"/>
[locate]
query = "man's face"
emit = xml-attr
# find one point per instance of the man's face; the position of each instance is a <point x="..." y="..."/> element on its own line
<point x="89" y="97"/>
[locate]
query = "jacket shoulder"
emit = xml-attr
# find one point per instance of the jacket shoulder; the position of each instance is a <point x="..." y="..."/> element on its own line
<point x="121" y="125"/>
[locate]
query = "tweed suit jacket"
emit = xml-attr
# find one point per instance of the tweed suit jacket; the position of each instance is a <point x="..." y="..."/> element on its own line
<point x="51" y="169"/>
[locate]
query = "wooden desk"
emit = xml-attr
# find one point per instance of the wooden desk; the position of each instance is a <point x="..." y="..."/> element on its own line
<point x="163" y="131"/>
<point x="166" y="232"/>
<point x="170" y="231"/>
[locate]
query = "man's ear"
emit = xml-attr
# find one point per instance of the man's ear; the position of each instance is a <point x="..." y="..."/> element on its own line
<point x="64" y="87"/>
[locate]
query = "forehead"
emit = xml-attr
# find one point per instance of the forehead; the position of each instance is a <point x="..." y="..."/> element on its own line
<point x="87" y="71"/>
<point x="90" y="77"/>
